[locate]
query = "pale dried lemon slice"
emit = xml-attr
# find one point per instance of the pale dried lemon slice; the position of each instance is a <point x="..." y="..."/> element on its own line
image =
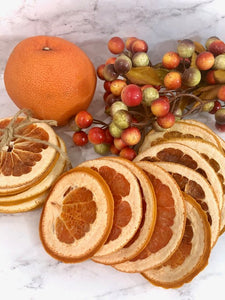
<point x="77" y="217"/>
<point x="40" y="187"/>
<point x="170" y="222"/>
<point x="192" y="255"/>
<point x="216" y="160"/>
<point x="24" y="162"/>
<point x="185" y="155"/>
<point x="127" y="196"/>
<point x="179" y="129"/>
<point x="144" y="233"/>
<point x="195" y="185"/>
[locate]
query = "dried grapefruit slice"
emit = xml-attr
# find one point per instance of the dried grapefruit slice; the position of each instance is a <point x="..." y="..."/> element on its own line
<point x="195" y="185"/>
<point x="179" y="129"/>
<point x="187" y="156"/>
<point x="144" y="233"/>
<point x="39" y="188"/>
<point x="170" y="222"/>
<point x="23" y="162"/>
<point x="127" y="202"/>
<point x="77" y="217"/>
<point x="215" y="158"/>
<point x="192" y="255"/>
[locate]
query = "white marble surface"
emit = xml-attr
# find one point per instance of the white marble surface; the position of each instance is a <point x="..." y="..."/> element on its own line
<point x="26" y="270"/>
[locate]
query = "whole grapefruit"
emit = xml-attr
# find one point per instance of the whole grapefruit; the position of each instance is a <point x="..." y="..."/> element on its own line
<point x="51" y="76"/>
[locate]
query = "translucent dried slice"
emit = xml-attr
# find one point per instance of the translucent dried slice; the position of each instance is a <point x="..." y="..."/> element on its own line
<point x="179" y="129"/>
<point x="144" y="233"/>
<point x="127" y="202"/>
<point x="23" y="162"/>
<point x="195" y="185"/>
<point x="40" y="187"/>
<point x="215" y="158"/>
<point x="185" y="155"/>
<point x="170" y="222"/>
<point x="77" y="217"/>
<point x="192" y="255"/>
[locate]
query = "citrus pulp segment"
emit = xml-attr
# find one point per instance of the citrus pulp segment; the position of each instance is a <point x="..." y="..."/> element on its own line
<point x="192" y="255"/>
<point x="144" y="233"/>
<point x="187" y="156"/>
<point x="77" y="216"/>
<point x="195" y="185"/>
<point x="179" y="129"/>
<point x="170" y="222"/>
<point x="40" y="187"/>
<point x="127" y="202"/>
<point x="24" y="162"/>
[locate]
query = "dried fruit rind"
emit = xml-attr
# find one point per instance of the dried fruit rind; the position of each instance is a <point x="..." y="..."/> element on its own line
<point x="170" y="222"/>
<point x="77" y="216"/>
<point x="192" y="255"/>
<point x="144" y="233"/>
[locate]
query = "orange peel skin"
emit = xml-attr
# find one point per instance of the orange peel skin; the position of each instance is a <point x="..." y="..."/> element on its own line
<point x="87" y="216"/>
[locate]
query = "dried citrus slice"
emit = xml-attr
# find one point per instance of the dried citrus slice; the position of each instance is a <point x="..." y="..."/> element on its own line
<point x="127" y="202"/>
<point x="195" y="185"/>
<point x="24" y="206"/>
<point x="185" y="155"/>
<point x="77" y="217"/>
<point x="144" y="233"/>
<point x="42" y="186"/>
<point x="23" y="162"/>
<point x="179" y="129"/>
<point x="170" y="222"/>
<point x="192" y="255"/>
<point x="215" y="158"/>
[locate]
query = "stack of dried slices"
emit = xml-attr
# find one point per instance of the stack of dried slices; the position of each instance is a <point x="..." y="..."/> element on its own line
<point x="159" y="215"/>
<point x="32" y="156"/>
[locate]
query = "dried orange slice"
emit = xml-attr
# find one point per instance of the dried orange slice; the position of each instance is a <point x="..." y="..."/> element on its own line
<point x="215" y="158"/>
<point x="41" y="187"/>
<point x="144" y="233"/>
<point x="179" y="129"/>
<point x="192" y="255"/>
<point x="195" y="185"/>
<point x="185" y="155"/>
<point x="24" y="206"/>
<point x="170" y="222"/>
<point x="77" y="217"/>
<point x="127" y="202"/>
<point x="23" y="162"/>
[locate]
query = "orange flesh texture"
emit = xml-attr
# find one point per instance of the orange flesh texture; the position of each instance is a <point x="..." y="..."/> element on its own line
<point x="78" y="212"/>
<point x="165" y="215"/>
<point x="119" y="187"/>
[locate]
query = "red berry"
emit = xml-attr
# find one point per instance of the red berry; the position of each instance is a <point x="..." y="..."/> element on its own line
<point x="100" y="72"/>
<point x="131" y="95"/>
<point x="139" y="46"/>
<point x="83" y="119"/>
<point x="171" y="60"/>
<point x="96" y="135"/>
<point x="217" y="106"/>
<point x="129" y="42"/>
<point x="131" y="136"/>
<point x="108" y="137"/>
<point x="210" y="79"/>
<point x="166" y="121"/>
<point x="119" y="143"/>
<point x="128" y="153"/>
<point x="110" y="60"/>
<point x="80" y="138"/>
<point x="172" y="80"/>
<point x="217" y="47"/>
<point x="205" y="60"/>
<point x="160" y="107"/>
<point x="116" y="45"/>
<point x="221" y="93"/>
<point x="114" y="150"/>
<point x="106" y="86"/>
<point x="220" y="127"/>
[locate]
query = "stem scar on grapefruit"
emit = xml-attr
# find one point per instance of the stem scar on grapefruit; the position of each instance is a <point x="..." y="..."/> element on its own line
<point x="51" y="76"/>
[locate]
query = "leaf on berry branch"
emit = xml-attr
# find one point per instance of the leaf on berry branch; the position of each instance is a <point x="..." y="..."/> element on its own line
<point x="199" y="47"/>
<point x="193" y="60"/>
<point x="146" y="75"/>
<point x="208" y="92"/>
<point x="219" y="76"/>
